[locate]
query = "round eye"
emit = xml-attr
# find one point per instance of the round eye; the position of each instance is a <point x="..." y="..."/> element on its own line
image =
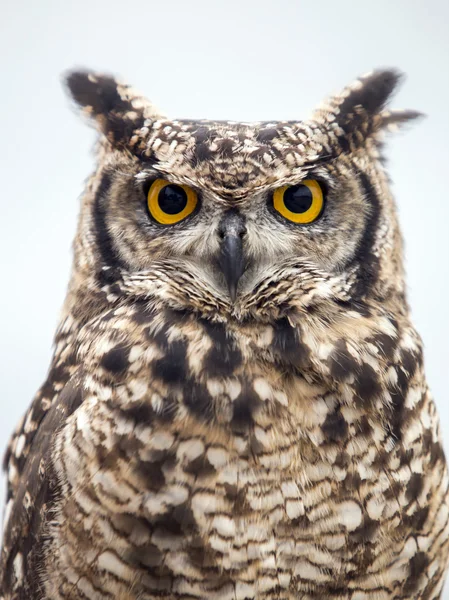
<point x="302" y="203"/>
<point x="170" y="203"/>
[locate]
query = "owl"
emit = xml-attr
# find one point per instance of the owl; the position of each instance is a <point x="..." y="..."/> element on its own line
<point x="236" y="408"/>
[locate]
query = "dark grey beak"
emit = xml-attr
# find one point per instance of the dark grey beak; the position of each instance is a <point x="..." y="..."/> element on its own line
<point x="231" y="260"/>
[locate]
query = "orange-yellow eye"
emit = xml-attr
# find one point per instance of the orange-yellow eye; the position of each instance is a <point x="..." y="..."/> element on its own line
<point x="302" y="203"/>
<point x="170" y="203"/>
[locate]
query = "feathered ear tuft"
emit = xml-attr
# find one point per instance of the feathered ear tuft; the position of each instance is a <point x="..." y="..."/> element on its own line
<point x="369" y="93"/>
<point x="392" y="120"/>
<point x="357" y="113"/>
<point x="117" y="109"/>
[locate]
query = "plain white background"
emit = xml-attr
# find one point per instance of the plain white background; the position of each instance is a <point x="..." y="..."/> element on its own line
<point x="242" y="59"/>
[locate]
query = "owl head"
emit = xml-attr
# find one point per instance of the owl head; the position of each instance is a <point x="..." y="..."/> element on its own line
<point x="241" y="220"/>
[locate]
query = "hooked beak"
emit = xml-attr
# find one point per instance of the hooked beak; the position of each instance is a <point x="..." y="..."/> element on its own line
<point x="231" y="259"/>
<point x="232" y="263"/>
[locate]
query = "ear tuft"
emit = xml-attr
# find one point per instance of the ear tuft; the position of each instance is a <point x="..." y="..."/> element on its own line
<point x="392" y="120"/>
<point x="96" y="93"/>
<point x="357" y="113"/>
<point x="370" y="92"/>
<point x="117" y="109"/>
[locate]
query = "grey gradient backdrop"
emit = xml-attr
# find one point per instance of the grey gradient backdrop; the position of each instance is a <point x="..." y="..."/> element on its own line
<point x="241" y="59"/>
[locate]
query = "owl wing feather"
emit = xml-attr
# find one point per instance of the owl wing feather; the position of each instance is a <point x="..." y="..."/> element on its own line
<point x="34" y="490"/>
<point x="63" y="365"/>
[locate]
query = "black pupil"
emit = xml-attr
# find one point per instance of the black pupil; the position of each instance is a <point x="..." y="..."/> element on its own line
<point x="298" y="198"/>
<point x="172" y="199"/>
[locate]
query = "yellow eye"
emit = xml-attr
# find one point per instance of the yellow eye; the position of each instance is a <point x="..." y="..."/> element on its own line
<point x="170" y="203"/>
<point x="302" y="203"/>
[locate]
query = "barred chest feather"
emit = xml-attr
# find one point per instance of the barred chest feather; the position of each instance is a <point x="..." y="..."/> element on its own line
<point x="249" y="461"/>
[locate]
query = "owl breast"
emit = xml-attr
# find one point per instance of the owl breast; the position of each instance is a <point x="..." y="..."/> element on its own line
<point x="209" y="462"/>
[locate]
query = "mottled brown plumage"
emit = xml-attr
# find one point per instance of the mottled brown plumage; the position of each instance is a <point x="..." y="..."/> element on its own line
<point x="283" y="445"/>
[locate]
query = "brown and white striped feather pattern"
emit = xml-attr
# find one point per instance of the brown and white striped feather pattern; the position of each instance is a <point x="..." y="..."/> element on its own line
<point x="157" y="501"/>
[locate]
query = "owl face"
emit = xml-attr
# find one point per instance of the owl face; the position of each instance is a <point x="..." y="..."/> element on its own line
<point x="244" y="219"/>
